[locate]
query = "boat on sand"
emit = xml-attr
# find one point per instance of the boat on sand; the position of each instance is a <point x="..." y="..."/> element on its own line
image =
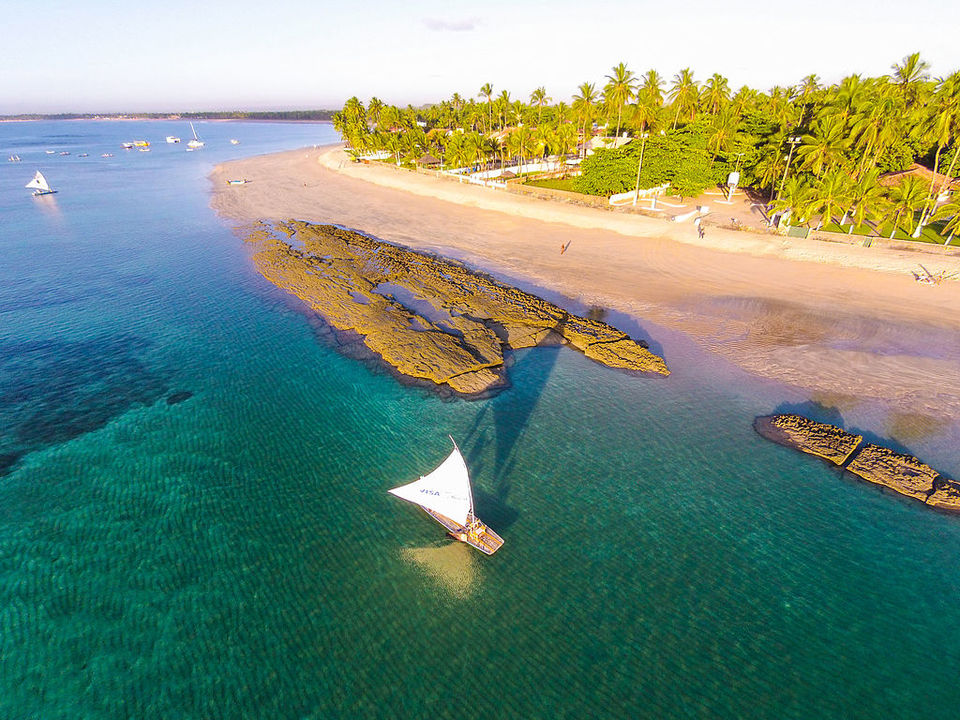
<point x="446" y="496"/>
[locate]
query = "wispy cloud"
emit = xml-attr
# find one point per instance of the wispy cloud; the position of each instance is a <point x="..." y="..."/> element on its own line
<point x="464" y="25"/>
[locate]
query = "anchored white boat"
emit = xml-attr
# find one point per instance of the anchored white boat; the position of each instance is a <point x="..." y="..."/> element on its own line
<point x="196" y="142"/>
<point x="446" y="496"/>
<point x="234" y="142"/>
<point x="39" y="185"/>
<point x="172" y="139"/>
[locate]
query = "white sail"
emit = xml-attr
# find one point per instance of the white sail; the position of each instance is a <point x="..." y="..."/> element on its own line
<point x="39" y="182"/>
<point x="446" y="490"/>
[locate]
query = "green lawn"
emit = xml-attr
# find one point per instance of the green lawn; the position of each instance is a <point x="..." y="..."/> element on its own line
<point x="929" y="234"/>
<point x="554" y="184"/>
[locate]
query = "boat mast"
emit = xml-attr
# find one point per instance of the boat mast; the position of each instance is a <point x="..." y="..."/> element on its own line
<point x="469" y="484"/>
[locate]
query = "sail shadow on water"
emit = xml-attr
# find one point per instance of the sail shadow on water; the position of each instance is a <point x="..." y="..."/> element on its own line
<point x="502" y="422"/>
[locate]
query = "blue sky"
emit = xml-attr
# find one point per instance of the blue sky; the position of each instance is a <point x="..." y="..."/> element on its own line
<point x="110" y="56"/>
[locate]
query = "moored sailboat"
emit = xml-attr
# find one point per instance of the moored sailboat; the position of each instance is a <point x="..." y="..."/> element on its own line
<point x="39" y="185"/>
<point x="196" y="142"/>
<point x="446" y="496"/>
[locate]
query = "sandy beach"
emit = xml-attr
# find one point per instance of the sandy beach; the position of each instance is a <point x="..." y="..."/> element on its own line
<point x="844" y="322"/>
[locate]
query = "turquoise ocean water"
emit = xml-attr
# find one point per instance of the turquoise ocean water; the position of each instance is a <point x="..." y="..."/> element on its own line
<point x="194" y="520"/>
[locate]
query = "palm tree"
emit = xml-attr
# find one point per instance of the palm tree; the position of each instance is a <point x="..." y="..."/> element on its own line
<point x="503" y="105"/>
<point x="619" y="90"/>
<point x="583" y="104"/>
<point x="867" y="199"/>
<point x="566" y="138"/>
<point x="723" y="130"/>
<point x="825" y="147"/>
<point x="796" y="196"/>
<point x="743" y="100"/>
<point x="716" y="92"/>
<point x="517" y="143"/>
<point x="652" y="85"/>
<point x="486" y="90"/>
<point x="683" y="93"/>
<point x="770" y="169"/>
<point x="539" y="98"/>
<point x="909" y="74"/>
<point x="951" y="213"/>
<point x="831" y="197"/>
<point x="907" y="197"/>
<point x="374" y="108"/>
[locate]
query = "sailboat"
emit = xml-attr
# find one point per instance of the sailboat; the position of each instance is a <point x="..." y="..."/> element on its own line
<point x="196" y="142"/>
<point x="446" y="496"/>
<point x="39" y="185"/>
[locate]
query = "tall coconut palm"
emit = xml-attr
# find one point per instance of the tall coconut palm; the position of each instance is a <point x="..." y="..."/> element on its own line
<point x="486" y="90"/>
<point x="744" y="99"/>
<point x="374" y="108"/>
<point x="503" y="107"/>
<point x="583" y="105"/>
<point x="722" y="131"/>
<point x="652" y="85"/>
<point x="618" y="90"/>
<point x="683" y="94"/>
<point x="716" y="93"/>
<point x="907" y="197"/>
<point x="909" y="74"/>
<point x="539" y="98"/>
<point x="831" y="197"/>
<point x="797" y="197"/>
<point x="825" y="147"/>
<point x="867" y="198"/>
<point x="770" y="169"/>
<point x="565" y="138"/>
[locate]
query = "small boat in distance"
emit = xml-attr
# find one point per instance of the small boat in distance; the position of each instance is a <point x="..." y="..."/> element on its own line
<point x="106" y="155"/>
<point x="127" y="146"/>
<point x="141" y="143"/>
<point x="65" y="152"/>
<point x="234" y="142"/>
<point x="244" y="181"/>
<point x="196" y="142"/>
<point x="144" y="149"/>
<point x="446" y="496"/>
<point x="49" y="152"/>
<point x="39" y="185"/>
<point x="172" y="139"/>
<point x="84" y="155"/>
<point x="13" y="158"/>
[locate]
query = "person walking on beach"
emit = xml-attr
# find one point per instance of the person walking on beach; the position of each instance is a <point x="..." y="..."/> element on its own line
<point x="696" y="224"/>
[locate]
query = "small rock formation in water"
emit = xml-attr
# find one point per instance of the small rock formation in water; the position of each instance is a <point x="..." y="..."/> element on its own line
<point x="795" y="431"/>
<point x="429" y="318"/>
<point x="882" y="466"/>
<point x="178" y="397"/>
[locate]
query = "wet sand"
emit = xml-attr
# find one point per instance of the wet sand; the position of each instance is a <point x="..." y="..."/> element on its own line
<point x="843" y="322"/>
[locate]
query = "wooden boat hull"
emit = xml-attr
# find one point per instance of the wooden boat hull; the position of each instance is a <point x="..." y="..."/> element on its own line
<point x="476" y="534"/>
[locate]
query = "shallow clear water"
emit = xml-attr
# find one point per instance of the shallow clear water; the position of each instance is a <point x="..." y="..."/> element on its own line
<point x="194" y="519"/>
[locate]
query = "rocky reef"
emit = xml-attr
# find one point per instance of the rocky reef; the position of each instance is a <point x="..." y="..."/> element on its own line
<point x="426" y="317"/>
<point x="876" y="464"/>
<point x="795" y="431"/>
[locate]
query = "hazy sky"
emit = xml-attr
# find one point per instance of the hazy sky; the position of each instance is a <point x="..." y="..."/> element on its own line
<point x="111" y="56"/>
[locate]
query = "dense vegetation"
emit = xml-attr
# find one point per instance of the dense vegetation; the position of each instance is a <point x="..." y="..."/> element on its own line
<point x="817" y="152"/>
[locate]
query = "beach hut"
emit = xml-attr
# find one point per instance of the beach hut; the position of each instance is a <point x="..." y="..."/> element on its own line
<point x="427" y="160"/>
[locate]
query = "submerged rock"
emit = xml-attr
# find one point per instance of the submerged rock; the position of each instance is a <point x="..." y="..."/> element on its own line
<point x="826" y="441"/>
<point x="876" y="464"/>
<point x="429" y="318"/>
<point x="179" y="397"/>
